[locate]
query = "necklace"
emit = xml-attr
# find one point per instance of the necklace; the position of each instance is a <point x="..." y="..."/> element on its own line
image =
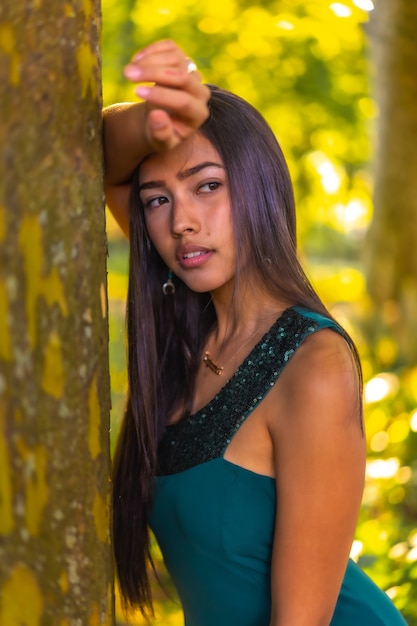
<point x="218" y="369"/>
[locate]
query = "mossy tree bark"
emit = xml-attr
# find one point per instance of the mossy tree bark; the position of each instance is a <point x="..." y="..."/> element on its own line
<point x="392" y="242"/>
<point x="55" y="557"/>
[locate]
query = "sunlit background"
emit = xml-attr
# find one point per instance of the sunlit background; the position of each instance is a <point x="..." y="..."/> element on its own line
<point x="305" y="66"/>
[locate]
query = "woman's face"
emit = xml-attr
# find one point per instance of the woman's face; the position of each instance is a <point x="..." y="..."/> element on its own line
<point x="185" y="196"/>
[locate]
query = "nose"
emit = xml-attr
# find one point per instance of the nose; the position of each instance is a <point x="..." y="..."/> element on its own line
<point x="184" y="217"/>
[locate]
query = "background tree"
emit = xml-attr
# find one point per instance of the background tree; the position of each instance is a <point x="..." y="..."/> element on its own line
<point x="55" y="559"/>
<point x="389" y="320"/>
<point x="391" y="245"/>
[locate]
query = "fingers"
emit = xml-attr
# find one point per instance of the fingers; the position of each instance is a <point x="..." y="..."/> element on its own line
<point x="161" y="61"/>
<point x="165" y="50"/>
<point x="167" y="77"/>
<point x="160" y="130"/>
<point x="181" y="104"/>
<point x="164" y="63"/>
<point x="173" y="114"/>
<point x="175" y="96"/>
<point x="167" y="128"/>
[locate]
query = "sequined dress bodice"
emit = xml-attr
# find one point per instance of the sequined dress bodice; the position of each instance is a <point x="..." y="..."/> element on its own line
<point x="214" y="520"/>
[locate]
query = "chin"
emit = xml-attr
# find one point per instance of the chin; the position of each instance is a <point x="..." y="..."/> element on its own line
<point x="201" y="287"/>
<point x="205" y="286"/>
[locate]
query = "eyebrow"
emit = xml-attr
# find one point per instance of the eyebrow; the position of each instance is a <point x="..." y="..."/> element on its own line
<point x="191" y="171"/>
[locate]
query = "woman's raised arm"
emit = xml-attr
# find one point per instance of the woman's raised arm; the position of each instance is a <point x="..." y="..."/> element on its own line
<point x="175" y="105"/>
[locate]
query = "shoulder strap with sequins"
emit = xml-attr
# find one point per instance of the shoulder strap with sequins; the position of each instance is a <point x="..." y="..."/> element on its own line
<point x="206" y="434"/>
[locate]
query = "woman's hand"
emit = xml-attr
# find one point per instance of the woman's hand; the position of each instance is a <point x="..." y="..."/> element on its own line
<point x="176" y="105"/>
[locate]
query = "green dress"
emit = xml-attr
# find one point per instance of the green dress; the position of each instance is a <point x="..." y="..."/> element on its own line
<point x="214" y="520"/>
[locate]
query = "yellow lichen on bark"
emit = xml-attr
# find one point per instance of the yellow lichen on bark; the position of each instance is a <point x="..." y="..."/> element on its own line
<point x="94" y="421"/>
<point x="18" y="610"/>
<point x="86" y="62"/>
<point x="63" y="581"/>
<point x="8" y="47"/>
<point x="103" y="300"/>
<point x="101" y="518"/>
<point x="94" y="619"/>
<point x="110" y="604"/>
<point x="53" y="371"/>
<point x="69" y="10"/>
<point x="50" y="286"/>
<point x="52" y="289"/>
<point x="2" y="223"/>
<point x="36" y="486"/>
<point x="30" y="244"/>
<point x="88" y="9"/>
<point x="7" y="522"/>
<point x="5" y="341"/>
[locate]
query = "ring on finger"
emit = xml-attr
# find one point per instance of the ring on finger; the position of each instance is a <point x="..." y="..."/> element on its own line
<point x="191" y="66"/>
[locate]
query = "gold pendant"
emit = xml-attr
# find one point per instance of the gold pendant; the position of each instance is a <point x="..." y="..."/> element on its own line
<point x="211" y="364"/>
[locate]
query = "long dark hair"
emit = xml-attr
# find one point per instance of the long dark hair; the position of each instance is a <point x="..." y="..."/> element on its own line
<point x="166" y="334"/>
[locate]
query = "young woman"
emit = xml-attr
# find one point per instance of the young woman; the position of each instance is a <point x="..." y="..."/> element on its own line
<point x="242" y="445"/>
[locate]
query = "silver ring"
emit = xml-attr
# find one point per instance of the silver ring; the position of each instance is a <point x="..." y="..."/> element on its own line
<point x="191" y="67"/>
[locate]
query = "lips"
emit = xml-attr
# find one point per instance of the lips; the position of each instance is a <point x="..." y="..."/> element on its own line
<point x="190" y="256"/>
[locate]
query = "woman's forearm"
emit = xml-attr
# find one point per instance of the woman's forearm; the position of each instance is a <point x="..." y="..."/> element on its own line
<point x="125" y="142"/>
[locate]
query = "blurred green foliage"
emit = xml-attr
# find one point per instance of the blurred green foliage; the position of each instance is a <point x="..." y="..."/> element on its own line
<point x="305" y="67"/>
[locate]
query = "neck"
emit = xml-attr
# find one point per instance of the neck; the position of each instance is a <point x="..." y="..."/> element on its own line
<point x="251" y="310"/>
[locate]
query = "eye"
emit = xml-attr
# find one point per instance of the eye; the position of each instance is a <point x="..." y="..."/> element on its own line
<point x="209" y="187"/>
<point x="155" y="202"/>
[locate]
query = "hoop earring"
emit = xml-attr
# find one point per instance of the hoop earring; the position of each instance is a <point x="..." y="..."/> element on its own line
<point x="168" y="288"/>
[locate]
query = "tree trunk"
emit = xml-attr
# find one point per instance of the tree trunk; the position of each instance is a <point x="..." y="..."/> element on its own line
<point x="392" y="242"/>
<point x="55" y="557"/>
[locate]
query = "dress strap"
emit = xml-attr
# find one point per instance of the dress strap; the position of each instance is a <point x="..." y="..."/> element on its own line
<point x="205" y="435"/>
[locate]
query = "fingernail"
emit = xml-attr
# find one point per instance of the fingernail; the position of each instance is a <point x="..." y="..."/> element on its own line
<point x="132" y="72"/>
<point x="142" y="92"/>
<point x="138" y="56"/>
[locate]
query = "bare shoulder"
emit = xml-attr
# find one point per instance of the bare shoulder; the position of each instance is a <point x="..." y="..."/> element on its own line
<point x="325" y="362"/>
<point x="325" y="351"/>
<point x="320" y="383"/>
